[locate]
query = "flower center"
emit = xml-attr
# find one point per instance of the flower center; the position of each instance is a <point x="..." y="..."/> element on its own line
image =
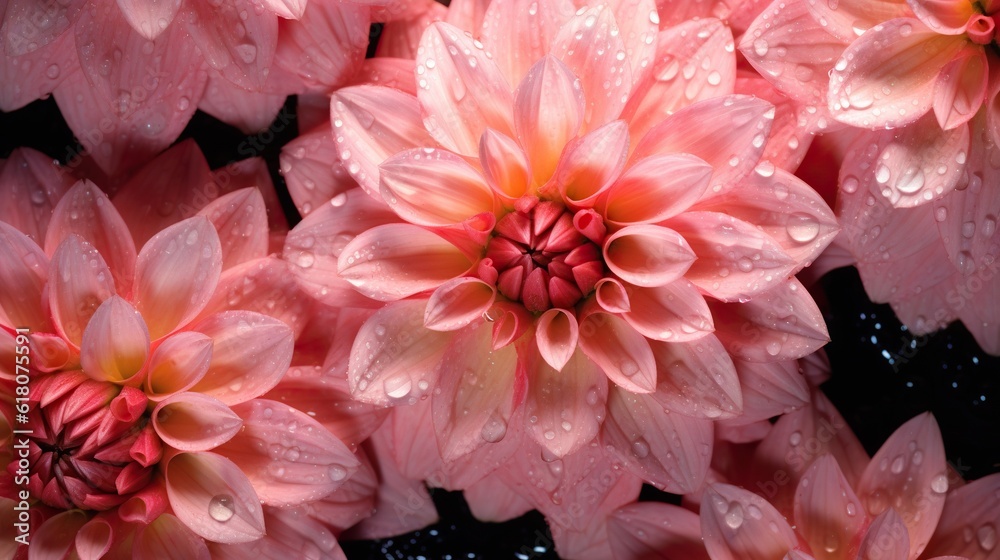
<point x="545" y="256"/>
<point x="981" y="29"/>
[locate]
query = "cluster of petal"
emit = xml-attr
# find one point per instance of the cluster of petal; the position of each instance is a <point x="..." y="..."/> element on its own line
<point x="160" y="331"/>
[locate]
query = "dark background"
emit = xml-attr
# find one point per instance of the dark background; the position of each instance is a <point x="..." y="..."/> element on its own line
<point x="882" y="375"/>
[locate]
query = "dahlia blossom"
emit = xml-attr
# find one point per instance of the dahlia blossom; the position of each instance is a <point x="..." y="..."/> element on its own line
<point x="572" y="233"/>
<point x="148" y="368"/>
<point x="808" y="491"/>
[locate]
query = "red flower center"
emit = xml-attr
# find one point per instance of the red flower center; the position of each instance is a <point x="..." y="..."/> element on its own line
<point x="541" y="256"/>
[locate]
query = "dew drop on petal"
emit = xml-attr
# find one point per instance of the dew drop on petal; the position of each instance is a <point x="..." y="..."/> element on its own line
<point x="221" y="508"/>
<point x="734" y="516"/>
<point x="940" y="484"/>
<point x="337" y="473"/>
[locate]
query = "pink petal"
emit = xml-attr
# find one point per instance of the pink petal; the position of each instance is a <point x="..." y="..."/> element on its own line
<point x="430" y="187"/>
<point x="326" y="46"/>
<point x="556" y="336"/>
<point x="493" y="501"/>
<point x="86" y="211"/>
<point x="24" y="273"/>
<point x="115" y="343"/>
<point x="971" y="507"/>
<point x="236" y="39"/>
<point x="657" y="188"/>
<point x="213" y="498"/>
<point x="289" y="457"/>
<point x="36" y="74"/>
<point x="735" y="260"/>
<point x="564" y="406"/>
<point x="28" y="25"/>
<point x="160" y="194"/>
<point x="591" y="163"/>
<point x="371" y="123"/>
<point x="460" y="100"/>
<point x="291" y="533"/>
<point x="647" y="255"/>
<point x="619" y="350"/>
<point x="149" y="18"/>
<point x="699" y="47"/>
<point x="850" y="19"/>
<point x="477" y="392"/>
<point x="194" y="422"/>
<point x="519" y="33"/>
<point x="505" y="165"/>
<point x="948" y="17"/>
<point x="250" y="353"/>
<point x="739" y="525"/>
<point x="901" y="56"/>
<point x="176" y="272"/>
<point x="249" y="111"/>
<point x="94" y="539"/>
<point x="638" y="28"/>
<point x="313" y="247"/>
<point x="590" y="44"/>
<point x="910" y="478"/>
<point x="54" y="539"/>
<point x="793" y="127"/>
<point x="240" y="219"/>
<point x="652" y="530"/>
<point x="886" y="538"/>
<point x="394" y="357"/>
<point x="80" y="282"/>
<point x="31" y="173"/>
<point x="312" y="171"/>
<point x="729" y="133"/>
<point x="961" y="88"/>
<point x="467" y="14"/>
<point x="697" y="379"/>
<point x="253" y="173"/>
<point x="290" y="9"/>
<point x="351" y="502"/>
<point x="548" y="112"/>
<point x="669" y="450"/>
<point x="770" y="389"/>
<point x="168" y="538"/>
<point x="674" y="312"/>
<point x="457" y="303"/>
<point x="394" y="261"/>
<point x="401" y="37"/>
<point x="265" y="286"/>
<point x="828" y="514"/>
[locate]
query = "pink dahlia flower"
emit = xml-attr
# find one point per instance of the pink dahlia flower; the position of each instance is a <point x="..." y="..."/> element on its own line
<point x="565" y="245"/>
<point x="809" y="491"/>
<point x="156" y="412"/>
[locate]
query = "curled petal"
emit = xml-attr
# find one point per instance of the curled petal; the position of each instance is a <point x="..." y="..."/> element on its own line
<point x="194" y="422"/>
<point x="433" y="187"/>
<point x="647" y="255"/>
<point x="591" y="163"/>
<point x="674" y="312"/>
<point x="564" y="407"/>
<point x="79" y="283"/>
<point x="56" y="537"/>
<point x="961" y="88"/>
<point x="740" y="525"/>
<point x="210" y="494"/>
<point x="168" y="538"/>
<point x="94" y="539"/>
<point x="657" y="188"/>
<point x="115" y="344"/>
<point x="457" y="303"/>
<point x="619" y="350"/>
<point x="556" y="335"/>
<point x="697" y="379"/>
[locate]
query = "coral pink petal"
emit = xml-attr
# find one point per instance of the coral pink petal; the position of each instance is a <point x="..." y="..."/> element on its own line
<point x="519" y="32"/>
<point x="249" y="111"/>
<point x="430" y="187"/>
<point x="250" y="353"/>
<point x="265" y="286"/>
<point x="827" y="512"/>
<point x="291" y="533"/>
<point x="638" y="27"/>
<point x="619" y="350"/>
<point x="28" y="25"/>
<point x="366" y="134"/>
<point x="33" y="75"/>
<point x="149" y="17"/>
<point x="310" y="462"/>
<point x="253" y="173"/>
<point x="457" y="303"/>
<point x="94" y="539"/>
<point x="657" y="188"/>
<point x="312" y="170"/>
<point x="948" y="17"/>
<point x="973" y="506"/>
<point x="505" y="165"/>
<point x="394" y="261"/>
<point x="739" y="525"/>
<point x="326" y="47"/>
<point x="902" y="57"/>
<point x="314" y="246"/>
<point x="887" y="538"/>
<point x="729" y="133"/>
<point x="912" y="478"/>
<point x="54" y="539"/>
<point x="556" y="336"/>
<point x="548" y="113"/>
<point x="351" y="502"/>
<point x="674" y="312"/>
<point x="194" y="422"/>
<point x="289" y="9"/>
<point x="176" y="273"/>
<point x="160" y="194"/>
<point x="648" y="255"/>
<point x="564" y="407"/>
<point x="753" y="261"/>
<point x="86" y="211"/>
<point x="671" y="451"/>
<point x="236" y="39"/>
<point x="493" y="501"/>
<point x="697" y="379"/>
<point x="961" y="88"/>
<point x="467" y="14"/>
<point x="849" y="19"/>
<point x="770" y="389"/>
<point x="703" y="48"/>
<point x="401" y="37"/>
<point x="461" y="100"/>
<point x="115" y="343"/>
<point x="25" y="271"/>
<point x="168" y="538"/>
<point x="213" y="498"/>
<point x="477" y="396"/>
<point x="240" y="219"/>
<point x="591" y="46"/>
<point x="591" y="163"/>
<point x="652" y="531"/>
<point x="80" y="282"/>
<point x="782" y="323"/>
<point x="394" y="357"/>
<point x="31" y="185"/>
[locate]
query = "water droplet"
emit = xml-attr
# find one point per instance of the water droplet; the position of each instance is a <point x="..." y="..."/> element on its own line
<point x="337" y="473"/>
<point x="221" y="508"/>
<point x="795" y="438"/>
<point x="987" y="537"/>
<point x="52" y="71"/>
<point x="882" y="173"/>
<point x="494" y="429"/>
<point x="940" y="484"/>
<point x="911" y="181"/>
<point x="802" y="227"/>
<point x="640" y="448"/>
<point x="897" y="464"/>
<point x="734" y="516"/>
<point x="398" y="386"/>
